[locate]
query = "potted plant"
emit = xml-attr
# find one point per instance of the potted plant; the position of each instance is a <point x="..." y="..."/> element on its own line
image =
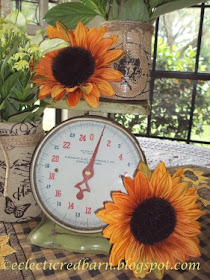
<point x="132" y="21"/>
<point x="20" y="118"/>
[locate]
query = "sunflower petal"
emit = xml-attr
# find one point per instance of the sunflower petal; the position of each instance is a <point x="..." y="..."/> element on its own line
<point x="91" y="99"/>
<point x="120" y="232"/>
<point x="60" y="31"/>
<point x="129" y="185"/>
<point x="118" y="252"/>
<point x="86" y="88"/>
<point x="111" y="206"/>
<point x="44" y="91"/>
<point x="179" y="190"/>
<point x="101" y="47"/>
<point x="94" y="36"/>
<point x="109" y="57"/>
<point x="190" y="229"/>
<point x="164" y="186"/>
<point x="80" y="34"/>
<point x="73" y="98"/>
<point x="158" y="174"/>
<point x="57" y="90"/>
<point x="124" y="202"/>
<point x="104" y="87"/>
<point x="109" y="74"/>
<point x="142" y="187"/>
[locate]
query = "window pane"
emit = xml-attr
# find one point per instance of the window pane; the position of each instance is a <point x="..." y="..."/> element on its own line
<point x="29" y="8"/>
<point x="49" y="119"/>
<point x="177" y="40"/>
<point x="204" y="62"/>
<point x="201" y="118"/>
<point x="171" y="108"/>
<point x="136" y="124"/>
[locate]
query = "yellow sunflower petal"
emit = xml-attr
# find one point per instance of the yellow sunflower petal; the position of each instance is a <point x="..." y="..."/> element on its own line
<point x="118" y="252"/>
<point x="2" y="263"/>
<point x="190" y="229"/>
<point x="91" y="99"/>
<point x="120" y="232"/>
<point x="186" y="216"/>
<point x="132" y="251"/>
<point x="92" y="95"/>
<point x="57" y="90"/>
<point x="178" y="173"/>
<point x="178" y="190"/>
<point x="107" y="232"/>
<point x="104" y="87"/>
<point x="73" y="98"/>
<point x="124" y="202"/>
<point x="158" y="174"/>
<point x="111" y="206"/>
<point x="6" y="250"/>
<point x="189" y="246"/>
<point x="164" y="186"/>
<point x="4" y="239"/>
<point x="86" y="88"/>
<point x="142" y="187"/>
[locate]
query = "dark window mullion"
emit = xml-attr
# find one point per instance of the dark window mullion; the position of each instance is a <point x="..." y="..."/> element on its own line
<point x="152" y="82"/>
<point x="194" y="92"/>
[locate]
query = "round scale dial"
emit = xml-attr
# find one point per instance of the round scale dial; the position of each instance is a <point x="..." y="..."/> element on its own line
<point x="77" y="166"/>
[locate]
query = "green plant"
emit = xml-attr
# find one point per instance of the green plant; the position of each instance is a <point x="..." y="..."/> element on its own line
<point x="18" y="58"/>
<point x="71" y="13"/>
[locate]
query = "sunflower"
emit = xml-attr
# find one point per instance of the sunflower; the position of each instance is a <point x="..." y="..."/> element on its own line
<point x="80" y="69"/>
<point x="155" y="222"/>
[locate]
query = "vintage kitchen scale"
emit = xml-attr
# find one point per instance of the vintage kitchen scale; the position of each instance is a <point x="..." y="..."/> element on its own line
<point x="74" y="170"/>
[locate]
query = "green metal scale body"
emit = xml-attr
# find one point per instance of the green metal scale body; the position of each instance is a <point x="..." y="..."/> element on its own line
<point x="74" y="170"/>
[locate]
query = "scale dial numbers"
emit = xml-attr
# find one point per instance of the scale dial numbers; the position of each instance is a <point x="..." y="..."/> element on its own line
<point x="76" y="168"/>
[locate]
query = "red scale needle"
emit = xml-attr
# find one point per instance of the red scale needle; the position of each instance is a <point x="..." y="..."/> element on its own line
<point x="88" y="171"/>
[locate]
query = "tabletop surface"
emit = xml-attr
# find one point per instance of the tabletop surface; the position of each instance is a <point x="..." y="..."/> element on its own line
<point x="192" y="158"/>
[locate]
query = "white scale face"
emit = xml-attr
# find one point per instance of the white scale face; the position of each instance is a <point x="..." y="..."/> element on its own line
<point x="77" y="166"/>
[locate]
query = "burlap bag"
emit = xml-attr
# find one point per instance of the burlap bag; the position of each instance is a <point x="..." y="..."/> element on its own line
<point x="134" y="38"/>
<point x="17" y="143"/>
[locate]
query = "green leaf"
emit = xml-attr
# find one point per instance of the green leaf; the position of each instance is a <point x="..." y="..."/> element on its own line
<point x="17" y="18"/>
<point x="70" y="14"/>
<point x="99" y="5"/>
<point x="12" y="51"/>
<point x="156" y="3"/>
<point x="9" y="84"/>
<point x="173" y="6"/>
<point x="53" y="44"/>
<point x="113" y="12"/>
<point x="134" y="10"/>
<point x="19" y="117"/>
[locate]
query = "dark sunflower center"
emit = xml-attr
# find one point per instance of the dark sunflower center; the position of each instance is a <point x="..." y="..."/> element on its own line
<point x="153" y="221"/>
<point x="73" y="66"/>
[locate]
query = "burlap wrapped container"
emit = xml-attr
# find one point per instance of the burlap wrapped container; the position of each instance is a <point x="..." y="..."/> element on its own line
<point x="134" y="37"/>
<point x="17" y="143"/>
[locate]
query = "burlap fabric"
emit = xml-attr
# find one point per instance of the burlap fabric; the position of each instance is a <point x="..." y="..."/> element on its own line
<point x="134" y="38"/>
<point x="17" y="143"/>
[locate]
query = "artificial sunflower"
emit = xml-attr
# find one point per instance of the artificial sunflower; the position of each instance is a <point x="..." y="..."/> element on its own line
<point x="155" y="222"/>
<point x="80" y="69"/>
